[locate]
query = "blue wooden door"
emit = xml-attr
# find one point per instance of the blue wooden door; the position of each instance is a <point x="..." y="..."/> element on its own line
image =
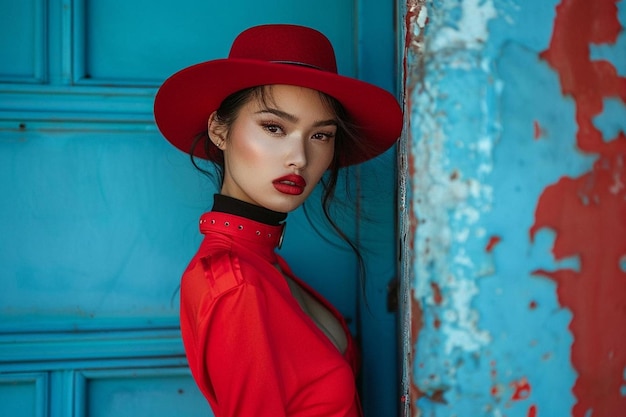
<point x="99" y="214"/>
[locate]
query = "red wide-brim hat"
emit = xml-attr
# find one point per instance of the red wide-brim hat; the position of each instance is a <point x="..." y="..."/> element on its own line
<point x="275" y="54"/>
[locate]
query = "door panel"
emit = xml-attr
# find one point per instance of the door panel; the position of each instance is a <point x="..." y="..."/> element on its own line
<point x="22" y="46"/>
<point x="143" y="41"/>
<point x="138" y="392"/>
<point x="24" y="394"/>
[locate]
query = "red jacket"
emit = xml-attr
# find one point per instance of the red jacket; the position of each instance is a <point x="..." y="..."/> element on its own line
<point x="250" y="347"/>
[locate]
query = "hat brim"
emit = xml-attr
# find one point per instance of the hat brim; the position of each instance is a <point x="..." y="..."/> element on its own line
<point x="185" y="101"/>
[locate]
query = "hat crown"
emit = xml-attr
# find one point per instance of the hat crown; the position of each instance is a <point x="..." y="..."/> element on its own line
<point x="285" y="44"/>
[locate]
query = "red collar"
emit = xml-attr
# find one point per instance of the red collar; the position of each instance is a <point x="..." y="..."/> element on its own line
<point x="242" y="228"/>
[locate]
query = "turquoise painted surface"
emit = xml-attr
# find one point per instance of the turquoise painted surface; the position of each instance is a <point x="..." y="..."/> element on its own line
<point x="99" y="214"/>
<point x="490" y="129"/>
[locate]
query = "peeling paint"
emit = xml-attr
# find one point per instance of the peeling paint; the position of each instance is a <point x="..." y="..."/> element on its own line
<point x="599" y="350"/>
<point x="493" y="241"/>
<point x="488" y="328"/>
<point x="469" y="31"/>
<point x="538" y="131"/>
<point x="521" y="390"/>
<point x="448" y="201"/>
<point x="588" y="213"/>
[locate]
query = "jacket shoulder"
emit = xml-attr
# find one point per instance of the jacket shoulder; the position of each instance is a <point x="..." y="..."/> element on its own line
<point x="213" y="274"/>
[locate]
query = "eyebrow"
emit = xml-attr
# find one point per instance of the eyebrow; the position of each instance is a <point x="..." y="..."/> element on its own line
<point x="293" y="119"/>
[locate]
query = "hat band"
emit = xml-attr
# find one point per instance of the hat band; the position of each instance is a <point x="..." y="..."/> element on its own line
<point x="302" y="64"/>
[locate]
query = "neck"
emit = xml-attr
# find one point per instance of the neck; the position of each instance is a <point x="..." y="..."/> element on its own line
<point x="230" y="205"/>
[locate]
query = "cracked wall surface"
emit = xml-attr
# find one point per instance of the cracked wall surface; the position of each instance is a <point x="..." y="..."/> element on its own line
<point x="514" y="189"/>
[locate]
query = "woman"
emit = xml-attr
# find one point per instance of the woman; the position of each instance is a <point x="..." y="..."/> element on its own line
<point x="274" y="117"/>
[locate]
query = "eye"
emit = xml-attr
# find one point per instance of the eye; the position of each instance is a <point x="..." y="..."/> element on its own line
<point x="323" y="136"/>
<point x="273" y="128"/>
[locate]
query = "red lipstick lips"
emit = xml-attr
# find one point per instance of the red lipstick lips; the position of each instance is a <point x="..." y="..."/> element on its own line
<point x="290" y="184"/>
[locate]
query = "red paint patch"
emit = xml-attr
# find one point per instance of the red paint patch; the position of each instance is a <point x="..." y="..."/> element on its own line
<point x="493" y="241"/>
<point x="594" y="231"/>
<point x="588" y="213"/>
<point x="537" y="130"/>
<point x="521" y="390"/>
<point x="496" y="389"/>
<point x="412" y="42"/>
<point x="532" y="411"/>
<point x="532" y="305"/>
<point x="587" y="81"/>
<point x="437" y="297"/>
<point x="417" y="323"/>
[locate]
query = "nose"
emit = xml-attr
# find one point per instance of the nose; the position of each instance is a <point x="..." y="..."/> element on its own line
<point x="297" y="154"/>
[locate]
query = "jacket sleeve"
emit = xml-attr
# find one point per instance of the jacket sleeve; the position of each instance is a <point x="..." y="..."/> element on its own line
<point x="235" y="344"/>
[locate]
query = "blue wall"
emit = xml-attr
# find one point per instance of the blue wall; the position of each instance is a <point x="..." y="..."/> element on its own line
<point x="514" y="238"/>
<point x="99" y="213"/>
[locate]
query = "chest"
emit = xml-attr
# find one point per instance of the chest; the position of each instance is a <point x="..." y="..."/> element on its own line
<point x="323" y="319"/>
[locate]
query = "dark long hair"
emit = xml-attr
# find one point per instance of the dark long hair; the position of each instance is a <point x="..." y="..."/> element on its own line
<point x="346" y="141"/>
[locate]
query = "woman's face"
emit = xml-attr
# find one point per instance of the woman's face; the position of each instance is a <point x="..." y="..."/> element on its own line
<point x="276" y="152"/>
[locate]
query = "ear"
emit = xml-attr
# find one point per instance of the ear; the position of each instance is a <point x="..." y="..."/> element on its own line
<point x="217" y="131"/>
